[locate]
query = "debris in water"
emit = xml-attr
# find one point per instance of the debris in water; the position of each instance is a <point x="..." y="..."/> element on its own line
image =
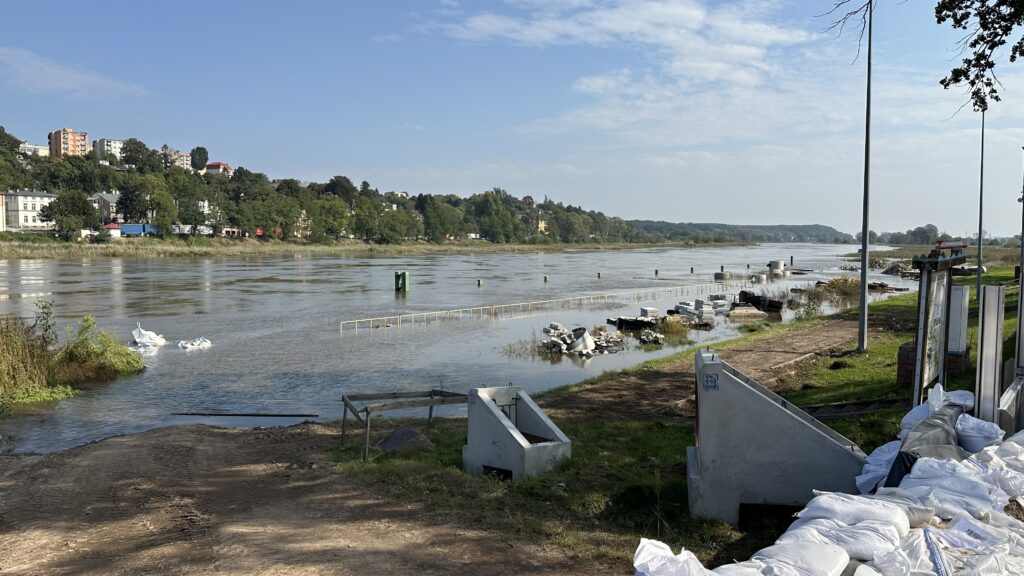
<point x="145" y="341"/>
<point x="651" y="337"/>
<point x="200" y="343"/>
<point x="578" y="341"/>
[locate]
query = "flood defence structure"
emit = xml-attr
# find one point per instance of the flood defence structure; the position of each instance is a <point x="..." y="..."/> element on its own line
<point x="754" y="447"/>
<point x="510" y="436"/>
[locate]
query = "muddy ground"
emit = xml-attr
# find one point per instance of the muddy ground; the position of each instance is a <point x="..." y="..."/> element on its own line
<point x="205" y="500"/>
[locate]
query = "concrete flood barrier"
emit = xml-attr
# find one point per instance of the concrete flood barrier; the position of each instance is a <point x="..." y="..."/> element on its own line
<point x="754" y="447"/>
<point x="509" y="435"/>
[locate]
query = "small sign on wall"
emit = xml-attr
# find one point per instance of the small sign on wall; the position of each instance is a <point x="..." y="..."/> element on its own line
<point x="711" y="381"/>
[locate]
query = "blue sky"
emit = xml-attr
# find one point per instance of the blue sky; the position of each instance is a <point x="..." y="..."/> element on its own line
<point x="688" y="110"/>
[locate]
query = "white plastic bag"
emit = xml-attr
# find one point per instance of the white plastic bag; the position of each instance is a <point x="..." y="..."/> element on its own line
<point x="913" y="557"/>
<point x="876" y="469"/>
<point x="147" y="338"/>
<point x="973" y="434"/>
<point x="654" y="558"/>
<point x="952" y="487"/>
<point x="862" y="541"/>
<point x="806" y="558"/>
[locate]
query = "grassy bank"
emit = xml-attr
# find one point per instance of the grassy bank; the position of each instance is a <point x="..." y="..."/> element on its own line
<point x="33" y="368"/>
<point x="34" y="246"/>
<point x="627" y="476"/>
<point x="993" y="256"/>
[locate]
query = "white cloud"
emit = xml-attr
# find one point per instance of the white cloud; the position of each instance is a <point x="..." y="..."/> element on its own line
<point x="40" y="75"/>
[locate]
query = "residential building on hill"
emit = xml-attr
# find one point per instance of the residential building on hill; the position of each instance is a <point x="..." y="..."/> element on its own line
<point x="67" y="142"/>
<point x="182" y="160"/>
<point x="106" y="204"/>
<point x="105" y="146"/>
<point x="23" y="208"/>
<point x="219" y="168"/>
<point x="33" y="150"/>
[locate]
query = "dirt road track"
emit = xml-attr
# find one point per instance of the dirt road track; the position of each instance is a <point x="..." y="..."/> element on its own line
<point x="204" y="500"/>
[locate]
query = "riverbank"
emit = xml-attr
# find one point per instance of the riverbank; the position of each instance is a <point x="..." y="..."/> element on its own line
<point x="226" y="247"/>
<point x="293" y="501"/>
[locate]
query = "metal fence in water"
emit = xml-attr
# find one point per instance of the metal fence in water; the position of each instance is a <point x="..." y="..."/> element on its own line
<point x="524" y="309"/>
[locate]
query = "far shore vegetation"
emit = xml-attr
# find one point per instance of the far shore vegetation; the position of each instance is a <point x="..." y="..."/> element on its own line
<point x="36" y="367"/>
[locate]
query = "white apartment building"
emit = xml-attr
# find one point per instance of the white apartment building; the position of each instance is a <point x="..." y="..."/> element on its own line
<point x="23" y="208"/>
<point x="182" y="160"/>
<point x="33" y="150"/>
<point x="105" y="146"/>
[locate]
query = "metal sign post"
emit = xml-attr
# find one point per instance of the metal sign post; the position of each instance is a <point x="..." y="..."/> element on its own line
<point x="933" y="306"/>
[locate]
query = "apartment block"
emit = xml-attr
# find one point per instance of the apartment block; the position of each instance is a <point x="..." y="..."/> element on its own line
<point x="105" y="146"/>
<point x="67" y="142"/>
<point x="33" y="150"/>
<point x="23" y="208"/>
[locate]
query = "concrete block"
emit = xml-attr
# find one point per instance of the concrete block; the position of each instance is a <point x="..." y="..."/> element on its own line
<point x="511" y="435"/>
<point x="754" y="447"/>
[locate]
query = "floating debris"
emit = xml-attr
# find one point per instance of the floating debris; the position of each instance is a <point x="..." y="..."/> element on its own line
<point x="200" y="343"/>
<point x="651" y="337"/>
<point x="145" y="342"/>
<point x="578" y="341"/>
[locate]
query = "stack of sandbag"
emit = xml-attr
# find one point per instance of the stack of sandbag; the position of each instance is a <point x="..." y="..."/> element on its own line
<point x="952" y="487"/>
<point x="937" y="398"/>
<point x="876" y="469"/>
<point x="655" y="558"/>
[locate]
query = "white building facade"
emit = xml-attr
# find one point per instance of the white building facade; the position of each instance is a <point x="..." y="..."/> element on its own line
<point x="23" y="208"/>
<point x="33" y="150"/>
<point x="3" y="213"/>
<point x="105" y="146"/>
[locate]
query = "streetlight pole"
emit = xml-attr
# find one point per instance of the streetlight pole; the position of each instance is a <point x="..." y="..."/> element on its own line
<point x="862" y="330"/>
<point x="981" y="205"/>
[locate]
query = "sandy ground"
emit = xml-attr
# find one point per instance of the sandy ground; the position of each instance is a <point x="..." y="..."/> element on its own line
<point x="204" y="500"/>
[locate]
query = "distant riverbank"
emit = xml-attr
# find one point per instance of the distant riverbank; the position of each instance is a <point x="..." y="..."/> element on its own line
<point x="202" y="246"/>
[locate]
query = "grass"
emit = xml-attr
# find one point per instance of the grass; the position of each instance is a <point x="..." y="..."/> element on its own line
<point x="33" y="369"/>
<point x="626" y="478"/>
<point x="42" y="246"/>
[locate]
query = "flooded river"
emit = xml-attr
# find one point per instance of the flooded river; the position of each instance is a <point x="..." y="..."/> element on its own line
<point x="274" y="325"/>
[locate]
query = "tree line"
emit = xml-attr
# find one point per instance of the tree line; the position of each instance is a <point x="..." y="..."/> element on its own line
<point x="153" y="189"/>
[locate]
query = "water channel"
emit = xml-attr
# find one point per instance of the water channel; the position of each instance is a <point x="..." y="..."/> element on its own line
<point x="274" y="325"/>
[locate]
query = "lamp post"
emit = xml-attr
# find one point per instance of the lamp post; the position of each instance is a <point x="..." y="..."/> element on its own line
<point x="862" y="329"/>
<point x="981" y="204"/>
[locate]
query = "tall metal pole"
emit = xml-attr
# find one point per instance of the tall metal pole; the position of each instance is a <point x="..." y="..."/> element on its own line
<point x="862" y="332"/>
<point x="981" y="205"/>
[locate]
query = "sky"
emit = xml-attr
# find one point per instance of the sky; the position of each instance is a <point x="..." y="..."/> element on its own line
<point x="745" y="112"/>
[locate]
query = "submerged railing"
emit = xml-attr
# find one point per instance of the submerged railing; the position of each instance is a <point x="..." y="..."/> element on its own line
<point x="525" y="309"/>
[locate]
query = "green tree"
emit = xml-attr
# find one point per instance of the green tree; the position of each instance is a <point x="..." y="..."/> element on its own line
<point x="8" y="142"/>
<point x="70" y="212"/>
<point x="989" y="25"/>
<point x="332" y="215"/>
<point x="343" y="188"/>
<point x="164" y="212"/>
<point x="441" y="220"/>
<point x="364" y="224"/>
<point x="199" y="158"/>
<point x="133" y="203"/>
<point x="136" y="153"/>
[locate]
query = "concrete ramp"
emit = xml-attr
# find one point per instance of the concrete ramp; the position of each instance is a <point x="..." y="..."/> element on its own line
<point x="509" y="435"/>
<point x="754" y="447"/>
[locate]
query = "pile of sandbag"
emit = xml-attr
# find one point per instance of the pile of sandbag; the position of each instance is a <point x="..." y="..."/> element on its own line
<point x="942" y="517"/>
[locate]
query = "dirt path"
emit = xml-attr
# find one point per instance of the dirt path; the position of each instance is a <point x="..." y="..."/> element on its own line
<point x="668" y="391"/>
<point x="204" y="500"/>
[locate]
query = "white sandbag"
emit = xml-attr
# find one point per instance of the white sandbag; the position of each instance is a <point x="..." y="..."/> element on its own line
<point x="876" y="469"/>
<point x="973" y="434"/>
<point x="862" y="541"/>
<point x="654" y="558"/>
<point x="865" y="570"/>
<point x="915" y="416"/>
<point x="999" y="471"/>
<point x="918" y="514"/>
<point x="936" y="397"/>
<point x="147" y="338"/>
<point x="952" y="487"/>
<point x="850" y="509"/>
<point x="963" y="398"/>
<point x="805" y="558"/>
<point x="913" y="557"/>
<point x="755" y="568"/>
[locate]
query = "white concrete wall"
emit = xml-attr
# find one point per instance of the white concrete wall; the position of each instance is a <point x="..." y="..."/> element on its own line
<point x="494" y="441"/>
<point x="754" y="447"/>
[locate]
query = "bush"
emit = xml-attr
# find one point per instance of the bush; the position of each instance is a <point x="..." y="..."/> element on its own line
<point x="92" y="355"/>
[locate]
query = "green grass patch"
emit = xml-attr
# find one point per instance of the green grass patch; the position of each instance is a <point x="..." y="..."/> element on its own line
<point x="34" y="369"/>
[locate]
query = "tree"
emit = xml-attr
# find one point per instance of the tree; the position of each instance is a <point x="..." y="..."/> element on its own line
<point x="133" y="203"/>
<point x="164" y="212"/>
<point x="364" y="224"/>
<point x="200" y="158"/>
<point x="136" y="153"/>
<point x="990" y="24"/>
<point x="8" y="142"/>
<point x="70" y="212"/>
<point x="342" y="187"/>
